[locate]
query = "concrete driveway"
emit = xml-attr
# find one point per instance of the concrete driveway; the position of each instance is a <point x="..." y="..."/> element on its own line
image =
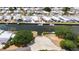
<point x="43" y="43"/>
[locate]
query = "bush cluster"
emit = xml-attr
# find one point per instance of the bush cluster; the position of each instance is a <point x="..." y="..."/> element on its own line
<point x="67" y="44"/>
<point x="22" y="38"/>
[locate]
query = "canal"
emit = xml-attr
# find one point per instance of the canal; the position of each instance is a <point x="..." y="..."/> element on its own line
<point x="35" y="27"/>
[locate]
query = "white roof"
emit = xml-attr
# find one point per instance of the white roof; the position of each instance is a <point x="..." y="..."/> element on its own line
<point x="35" y="18"/>
<point x="1" y="17"/>
<point x="26" y="18"/>
<point x="16" y="11"/>
<point x="45" y="12"/>
<point x="46" y="18"/>
<point x="63" y="18"/>
<point x="4" y="37"/>
<point x="72" y="18"/>
<point x="1" y="8"/>
<point x="2" y="11"/>
<point x="76" y="18"/>
<point x="7" y="17"/>
<point x="17" y="16"/>
<point x="25" y="8"/>
<point x="55" y="18"/>
<point x="69" y="17"/>
<point x="6" y="8"/>
<point x="8" y="11"/>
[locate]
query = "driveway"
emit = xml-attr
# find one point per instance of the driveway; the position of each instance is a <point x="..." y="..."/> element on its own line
<point x="44" y="43"/>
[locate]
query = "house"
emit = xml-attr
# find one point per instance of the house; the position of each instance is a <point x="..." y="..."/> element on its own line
<point x="46" y="18"/>
<point x="26" y="18"/>
<point x="63" y="19"/>
<point x="55" y="19"/>
<point x="35" y="18"/>
<point x="7" y="17"/>
<point x="17" y="17"/>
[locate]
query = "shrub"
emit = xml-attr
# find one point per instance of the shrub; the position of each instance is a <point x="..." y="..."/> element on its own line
<point x="39" y="33"/>
<point x="30" y="14"/>
<point x="9" y="43"/>
<point x="65" y="10"/>
<point x="22" y="38"/>
<point x="12" y="8"/>
<point x="6" y="46"/>
<point x="77" y="41"/>
<point x="67" y="44"/>
<point x="64" y="32"/>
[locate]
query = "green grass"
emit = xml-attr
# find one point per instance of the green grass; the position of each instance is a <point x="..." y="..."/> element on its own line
<point x="63" y="22"/>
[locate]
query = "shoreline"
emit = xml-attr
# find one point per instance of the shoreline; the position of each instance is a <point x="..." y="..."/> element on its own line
<point x="53" y="23"/>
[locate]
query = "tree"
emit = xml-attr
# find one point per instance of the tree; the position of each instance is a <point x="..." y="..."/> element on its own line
<point x="47" y="9"/>
<point x="64" y="32"/>
<point x="65" y="10"/>
<point x="67" y="44"/>
<point x="30" y="14"/>
<point x="22" y="38"/>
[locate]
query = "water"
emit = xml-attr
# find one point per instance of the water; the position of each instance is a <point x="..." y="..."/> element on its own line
<point x="35" y="27"/>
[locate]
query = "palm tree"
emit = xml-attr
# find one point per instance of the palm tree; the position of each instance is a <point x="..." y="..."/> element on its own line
<point x="47" y="9"/>
<point x="65" y="10"/>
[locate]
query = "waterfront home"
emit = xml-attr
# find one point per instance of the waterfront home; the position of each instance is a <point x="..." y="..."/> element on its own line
<point x="8" y="12"/>
<point x="1" y="17"/>
<point x="63" y="19"/>
<point x="35" y="18"/>
<point x="26" y="18"/>
<point x="17" y="17"/>
<point x="71" y="19"/>
<point x="46" y="18"/>
<point x="7" y="17"/>
<point x="76" y="19"/>
<point x="55" y="19"/>
<point x="3" y="11"/>
<point x="16" y="12"/>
